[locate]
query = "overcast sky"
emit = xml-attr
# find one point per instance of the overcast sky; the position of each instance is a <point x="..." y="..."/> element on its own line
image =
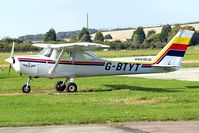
<point x="21" y="17"/>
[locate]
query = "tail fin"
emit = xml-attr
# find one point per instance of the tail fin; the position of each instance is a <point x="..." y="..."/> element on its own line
<point x="174" y="51"/>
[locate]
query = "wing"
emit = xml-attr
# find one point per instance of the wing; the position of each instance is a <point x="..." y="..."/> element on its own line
<point x="40" y="45"/>
<point x="75" y="46"/>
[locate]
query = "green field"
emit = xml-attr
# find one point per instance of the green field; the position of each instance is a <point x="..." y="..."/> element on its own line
<point x="99" y="99"/>
<point x="191" y="54"/>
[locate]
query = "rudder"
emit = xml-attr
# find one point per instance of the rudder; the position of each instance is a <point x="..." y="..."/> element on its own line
<point x="174" y="51"/>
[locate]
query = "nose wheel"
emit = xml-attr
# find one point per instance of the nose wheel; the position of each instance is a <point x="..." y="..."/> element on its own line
<point x="26" y="88"/>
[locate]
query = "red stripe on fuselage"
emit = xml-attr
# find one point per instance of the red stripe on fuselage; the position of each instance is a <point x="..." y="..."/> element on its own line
<point x="62" y="61"/>
<point x="33" y="59"/>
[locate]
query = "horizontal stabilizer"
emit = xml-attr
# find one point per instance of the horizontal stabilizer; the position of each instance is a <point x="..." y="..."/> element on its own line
<point x="166" y="66"/>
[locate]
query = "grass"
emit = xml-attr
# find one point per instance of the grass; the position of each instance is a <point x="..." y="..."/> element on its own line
<point x="191" y="54"/>
<point x="126" y="53"/>
<point x="99" y="100"/>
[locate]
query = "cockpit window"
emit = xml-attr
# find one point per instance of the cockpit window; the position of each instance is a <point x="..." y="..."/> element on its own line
<point x="54" y="54"/>
<point x="46" y="52"/>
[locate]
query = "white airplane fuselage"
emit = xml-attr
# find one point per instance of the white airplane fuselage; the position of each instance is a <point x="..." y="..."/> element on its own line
<point x="38" y="66"/>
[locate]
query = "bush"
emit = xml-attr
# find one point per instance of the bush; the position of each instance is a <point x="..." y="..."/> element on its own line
<point x="108" y="37"/>
<point x="19" y="47"/>
<point x="99" y="38"/>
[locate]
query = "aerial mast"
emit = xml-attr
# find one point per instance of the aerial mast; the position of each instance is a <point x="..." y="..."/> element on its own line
<point x="87" y="22"/>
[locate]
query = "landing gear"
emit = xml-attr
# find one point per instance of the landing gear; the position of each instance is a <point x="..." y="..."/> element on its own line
<point x="26" y="88"/>
<point x="70" y="87"/>
<point x="60" y="86"/>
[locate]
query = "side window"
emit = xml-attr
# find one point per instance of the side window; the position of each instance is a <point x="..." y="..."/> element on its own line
<point x="65" y="56"/>
<point x="89" y="55"/>
<point x="81" y="55"/>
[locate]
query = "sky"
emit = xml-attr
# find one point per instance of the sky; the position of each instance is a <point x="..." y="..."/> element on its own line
<point x="22" y="17"/>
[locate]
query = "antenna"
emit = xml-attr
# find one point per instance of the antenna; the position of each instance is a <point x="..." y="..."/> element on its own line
<point x="87" y="21"/>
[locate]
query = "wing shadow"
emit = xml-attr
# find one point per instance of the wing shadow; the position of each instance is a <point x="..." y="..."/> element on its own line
<point x="131" y="88"/>
<point x="193" y="87"/>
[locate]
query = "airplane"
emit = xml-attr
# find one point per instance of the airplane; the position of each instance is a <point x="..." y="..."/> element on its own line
<point x="74" y="60"/>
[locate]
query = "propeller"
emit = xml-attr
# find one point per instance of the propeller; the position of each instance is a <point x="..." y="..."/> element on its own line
<point x="13" y="48"/>
<point x="10" y="66"/>
<point x="11" y="60"/>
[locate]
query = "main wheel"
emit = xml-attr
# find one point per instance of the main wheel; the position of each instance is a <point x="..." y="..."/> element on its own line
<point x="59" y="87"/>
<point x="25" y="88"/>
<point x="72" y="87"/>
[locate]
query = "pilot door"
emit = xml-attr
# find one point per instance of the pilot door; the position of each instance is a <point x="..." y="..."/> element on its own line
<point x="48" y="61"/>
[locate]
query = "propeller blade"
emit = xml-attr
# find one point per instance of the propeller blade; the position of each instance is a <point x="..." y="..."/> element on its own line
<point x="12" y="51"/>
<point x="11" y="59"/>
<point x="9" y="68"/>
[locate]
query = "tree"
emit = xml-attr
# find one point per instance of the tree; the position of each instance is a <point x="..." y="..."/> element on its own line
<point x="174" y="31"/>
<point x="108" y="36"/>
<point x="116" y="45"/>
<point x="50" y="35"/>
<point x="166" y="29"/>
<point x="138" y="37"/>
<point x="153" y="42"/>
<point x="84" y="35"/>
<point x="195" y="39"/>
<point x="151" y="32"/>
<point x="99" y="37"/>
<point x="11" y="40"/>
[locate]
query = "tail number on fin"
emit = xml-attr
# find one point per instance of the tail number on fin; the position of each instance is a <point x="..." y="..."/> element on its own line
<point x="121" y="66"/>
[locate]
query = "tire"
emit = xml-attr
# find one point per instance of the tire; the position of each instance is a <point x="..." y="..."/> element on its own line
<point x="59" y="87"/>
<point x="72" y="87"/>
<point x="25" y="88"/>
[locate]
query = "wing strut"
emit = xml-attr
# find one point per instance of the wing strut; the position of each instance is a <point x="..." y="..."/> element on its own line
<point x="57" y="62"/>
